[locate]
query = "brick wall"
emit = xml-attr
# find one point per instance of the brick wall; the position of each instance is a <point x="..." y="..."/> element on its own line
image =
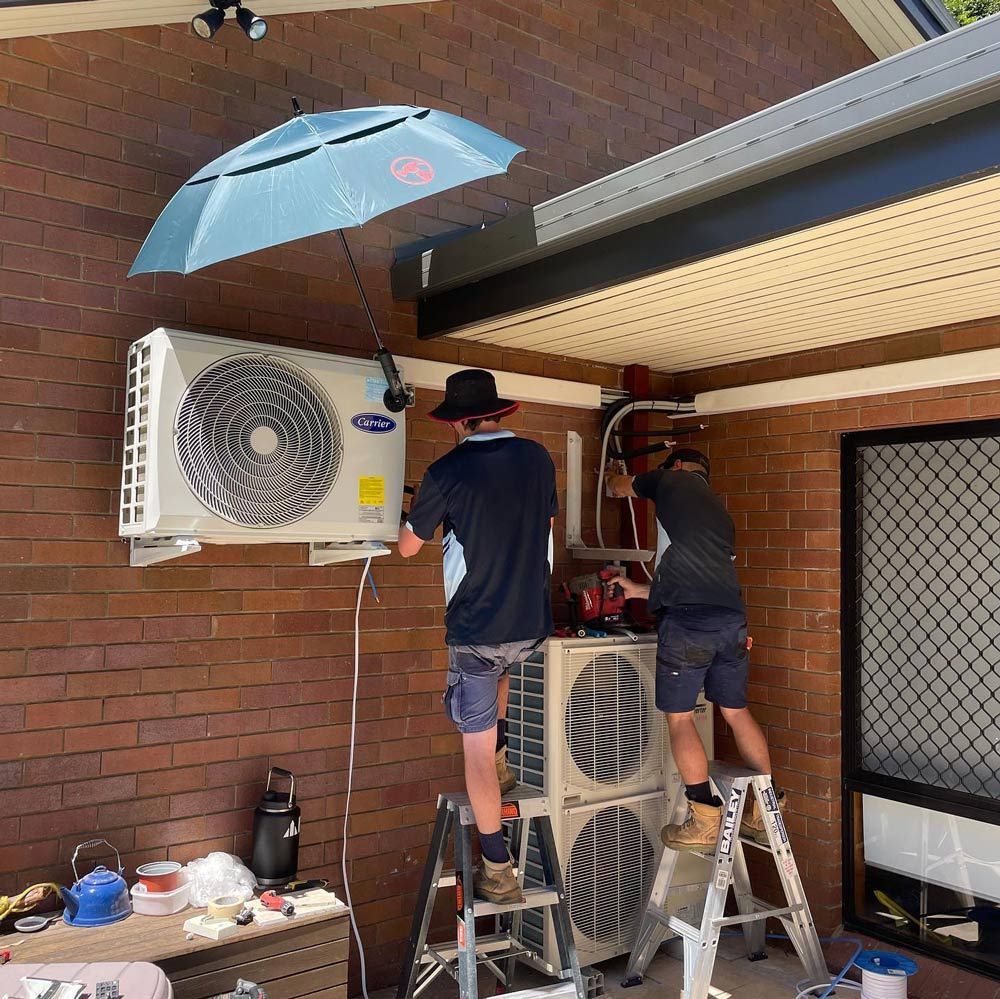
<point x="779" y="470"/>
<point x="146" y="705"/>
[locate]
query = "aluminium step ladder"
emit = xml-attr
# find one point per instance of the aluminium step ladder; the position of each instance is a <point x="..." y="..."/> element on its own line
<point x="498" y="951"/>
<point x="734" y="785"/>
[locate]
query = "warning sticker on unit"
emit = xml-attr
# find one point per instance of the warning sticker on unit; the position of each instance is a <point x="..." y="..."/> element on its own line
<point x="371" y="499"/>
<point x="375" y="389"/>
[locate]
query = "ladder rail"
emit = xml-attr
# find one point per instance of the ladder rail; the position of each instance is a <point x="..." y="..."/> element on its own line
<point x="737" y="786"/>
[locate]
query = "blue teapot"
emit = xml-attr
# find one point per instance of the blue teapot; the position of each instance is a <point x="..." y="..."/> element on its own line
<point x="98" y="898"/>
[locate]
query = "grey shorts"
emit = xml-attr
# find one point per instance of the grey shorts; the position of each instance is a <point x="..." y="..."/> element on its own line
<point x="474" y="673"/>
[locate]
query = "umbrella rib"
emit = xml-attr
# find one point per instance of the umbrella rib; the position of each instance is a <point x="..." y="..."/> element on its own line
<point x="333" y="165"/>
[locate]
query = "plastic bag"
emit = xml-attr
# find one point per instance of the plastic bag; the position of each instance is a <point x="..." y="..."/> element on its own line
<point x="219" y="874"/>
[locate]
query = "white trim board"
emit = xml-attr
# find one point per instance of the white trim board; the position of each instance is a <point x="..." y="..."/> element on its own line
<point x="932" y="372"/>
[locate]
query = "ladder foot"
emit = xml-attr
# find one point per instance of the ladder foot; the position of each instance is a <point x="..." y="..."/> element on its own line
<point x="628" y="983"/>
<point x="757" y="955"/>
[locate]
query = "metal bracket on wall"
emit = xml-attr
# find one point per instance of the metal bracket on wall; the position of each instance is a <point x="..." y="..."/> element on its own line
<point x="149" y="551"/>
<point x="574" y="494"/>
<point x="331" y="552"/>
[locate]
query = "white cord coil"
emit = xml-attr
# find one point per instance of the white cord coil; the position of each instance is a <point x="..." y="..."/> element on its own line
<point x="879" y="986"/>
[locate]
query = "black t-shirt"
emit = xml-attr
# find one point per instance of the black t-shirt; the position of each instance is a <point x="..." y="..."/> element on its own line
<point x="697" y="567"/>
<point x="494" y="493"/>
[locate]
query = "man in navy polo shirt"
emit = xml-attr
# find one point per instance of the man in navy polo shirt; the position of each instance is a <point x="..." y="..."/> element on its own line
<point x="702" y="634"/>
<point x="495" y="494"/>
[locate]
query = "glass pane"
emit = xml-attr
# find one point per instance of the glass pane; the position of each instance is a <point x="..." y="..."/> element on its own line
<point x="933" y="877"/>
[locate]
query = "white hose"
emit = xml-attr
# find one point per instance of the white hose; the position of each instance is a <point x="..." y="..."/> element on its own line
<point x="350" y="774"/>
<point x="643" y="406"/>
<point x="873" y="986"/>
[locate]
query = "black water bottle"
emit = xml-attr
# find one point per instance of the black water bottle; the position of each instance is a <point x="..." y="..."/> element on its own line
<point x="276" y="826"/>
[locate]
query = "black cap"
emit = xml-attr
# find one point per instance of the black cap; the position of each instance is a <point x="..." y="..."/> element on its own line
<point x="471" y="395"/>
<point x="687" y="454"/>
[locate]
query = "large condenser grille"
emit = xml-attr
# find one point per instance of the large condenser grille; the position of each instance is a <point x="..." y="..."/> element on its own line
<point x="258" y="440"/>
<point x="613" y="733"/>
<point x="611" y="857"/>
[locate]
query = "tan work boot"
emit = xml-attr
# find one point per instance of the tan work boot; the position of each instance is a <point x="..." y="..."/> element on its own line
<point x="752" y="825"/>
<point x="497" y="883"/>
<point x="699" y="831"/>
<point x="504" y="773"/>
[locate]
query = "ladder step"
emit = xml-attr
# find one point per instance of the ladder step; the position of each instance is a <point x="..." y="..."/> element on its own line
<point x="495" y="943"/>
<point x="732" y="771"/>
<point x="534" y="898"/>
<point x="765" y="912"/>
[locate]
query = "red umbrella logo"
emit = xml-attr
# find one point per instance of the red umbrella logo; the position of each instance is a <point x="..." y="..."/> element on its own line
<point x="412" y="170"/>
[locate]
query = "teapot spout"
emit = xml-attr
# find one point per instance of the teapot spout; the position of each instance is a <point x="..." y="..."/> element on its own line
<point x="70" y="900"/>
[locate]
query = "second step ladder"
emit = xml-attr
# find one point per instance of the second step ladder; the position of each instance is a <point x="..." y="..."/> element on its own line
<point x="499" y="951"/>
<point x="735" y="785"/>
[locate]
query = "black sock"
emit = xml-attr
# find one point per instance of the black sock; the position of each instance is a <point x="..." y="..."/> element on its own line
<point x="494" y="848"/>
<point x="702" y="793"/>
<point x="501" y="733"/>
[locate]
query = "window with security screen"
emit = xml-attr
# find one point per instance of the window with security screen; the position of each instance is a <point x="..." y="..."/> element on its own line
<point x="921" y="660"/>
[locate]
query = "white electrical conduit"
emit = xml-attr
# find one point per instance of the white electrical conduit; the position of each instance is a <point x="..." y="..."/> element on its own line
<point x="350" y="773"/>
<point x="643" y="406"/>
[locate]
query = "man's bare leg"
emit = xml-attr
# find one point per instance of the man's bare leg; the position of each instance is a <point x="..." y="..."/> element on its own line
<point x="686" y="747"/>
<point x="503" y="695"/>
<point x="481" y="778"/>
<point x="749" y="738"/>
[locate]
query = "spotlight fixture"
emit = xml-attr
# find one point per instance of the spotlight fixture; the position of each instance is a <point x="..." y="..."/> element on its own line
<point x="206" y="24"/>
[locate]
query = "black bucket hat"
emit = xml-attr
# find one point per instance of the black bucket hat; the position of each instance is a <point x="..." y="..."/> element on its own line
<point x="471" y="395"/>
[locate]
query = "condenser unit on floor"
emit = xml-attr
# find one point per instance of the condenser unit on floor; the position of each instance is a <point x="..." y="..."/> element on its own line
<point x="229" y="442"/>
<point x="583" y="727"/>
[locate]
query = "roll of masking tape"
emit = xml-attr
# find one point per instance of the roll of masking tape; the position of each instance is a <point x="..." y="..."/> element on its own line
<point x="225" y="907"/>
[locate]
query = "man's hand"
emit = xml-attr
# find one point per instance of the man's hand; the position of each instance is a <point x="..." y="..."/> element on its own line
<point x="632" y="589"/>
<point x="618" y="485"/>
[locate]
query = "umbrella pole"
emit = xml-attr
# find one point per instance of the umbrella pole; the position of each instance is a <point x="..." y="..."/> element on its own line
<point x="395" y="394"/>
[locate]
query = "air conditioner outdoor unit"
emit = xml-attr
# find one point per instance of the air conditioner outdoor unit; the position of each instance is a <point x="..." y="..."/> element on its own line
<point x="584" y="728"/>
<point x="230" y="442"/>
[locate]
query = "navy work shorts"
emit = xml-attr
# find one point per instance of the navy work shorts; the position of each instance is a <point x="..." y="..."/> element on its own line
<point x="474" y="673"/>
<point x="699" y="647"/>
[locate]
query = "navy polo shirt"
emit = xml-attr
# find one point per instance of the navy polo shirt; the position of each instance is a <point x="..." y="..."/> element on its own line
<point x="495" y="494"/>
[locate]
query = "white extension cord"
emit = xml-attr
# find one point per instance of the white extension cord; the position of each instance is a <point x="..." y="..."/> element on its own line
<point x="873" y="986"/>
<point x="350" y="775"/>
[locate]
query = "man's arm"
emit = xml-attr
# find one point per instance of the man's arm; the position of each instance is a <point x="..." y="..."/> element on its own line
<point x="620" y="485"/>
<point x="409" y="543"/>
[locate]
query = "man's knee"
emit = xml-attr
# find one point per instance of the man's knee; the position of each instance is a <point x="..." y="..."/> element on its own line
<point x="679" y="719"/>
<point x="736" y="715"/>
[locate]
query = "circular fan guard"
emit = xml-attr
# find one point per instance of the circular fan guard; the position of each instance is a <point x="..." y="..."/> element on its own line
<point x="607" y="878"/>
<point x="258" y="440"/>
<point x="606" y="724"/>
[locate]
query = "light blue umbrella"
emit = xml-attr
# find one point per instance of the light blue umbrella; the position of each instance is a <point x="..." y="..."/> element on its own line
<point x="316" y="173"/>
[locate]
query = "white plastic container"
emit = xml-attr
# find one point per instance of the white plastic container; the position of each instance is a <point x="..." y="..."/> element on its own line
<point x="161" y="903"/>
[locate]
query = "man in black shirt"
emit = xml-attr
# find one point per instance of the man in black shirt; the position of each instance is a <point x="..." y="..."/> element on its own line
<point x="702" y="634"/>
<point x="495" y="494"/>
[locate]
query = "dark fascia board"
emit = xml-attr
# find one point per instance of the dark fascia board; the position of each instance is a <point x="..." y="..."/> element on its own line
<point x="957" y="149"/>
<point x="953" y="73"/>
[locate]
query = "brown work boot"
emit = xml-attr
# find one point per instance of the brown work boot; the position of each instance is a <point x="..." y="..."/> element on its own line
<point x="504" y="773"/>
<point x="699" y="831"/>
<point x="497" y="883"/>
<point x="752" y="825"/>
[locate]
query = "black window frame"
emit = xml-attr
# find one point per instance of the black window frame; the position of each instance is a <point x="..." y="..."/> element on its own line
<point x="855" y="780"/>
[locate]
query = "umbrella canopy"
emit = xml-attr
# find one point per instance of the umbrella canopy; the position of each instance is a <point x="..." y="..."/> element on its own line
<point x="315" y="173"/>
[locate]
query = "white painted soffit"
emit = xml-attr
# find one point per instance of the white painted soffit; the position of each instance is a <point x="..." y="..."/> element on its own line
<point x="40" y="18"/>
<point x="941" y="78"/>
<point x="928" y="261"/>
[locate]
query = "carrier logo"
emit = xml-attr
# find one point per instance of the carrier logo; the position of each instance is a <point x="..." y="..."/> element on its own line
<point x="373" y="423"/>
<point x="729" y="825"/>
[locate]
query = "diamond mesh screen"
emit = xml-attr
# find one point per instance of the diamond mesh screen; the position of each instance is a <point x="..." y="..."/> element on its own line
<point x="927" y="614"/>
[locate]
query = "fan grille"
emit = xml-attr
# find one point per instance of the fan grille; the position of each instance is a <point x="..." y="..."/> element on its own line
<point x="258" y="440"/>
<point x="608" y="725"/>
<point x="611" y="863"/>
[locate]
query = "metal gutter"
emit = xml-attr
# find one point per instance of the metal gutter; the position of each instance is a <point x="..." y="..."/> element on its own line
<point x="951" y="74"/>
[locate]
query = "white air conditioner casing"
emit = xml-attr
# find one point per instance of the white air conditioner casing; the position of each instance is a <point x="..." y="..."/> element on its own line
<point x="583" y="727"/>
<point x="231" y="442"/>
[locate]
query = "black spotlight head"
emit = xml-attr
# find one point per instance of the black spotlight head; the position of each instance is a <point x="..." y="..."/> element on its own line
<point x="205" y="25"/>
<point x="254" y="27"/>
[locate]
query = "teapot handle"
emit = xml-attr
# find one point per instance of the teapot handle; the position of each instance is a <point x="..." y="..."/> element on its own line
<point x="86" y="846"/>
